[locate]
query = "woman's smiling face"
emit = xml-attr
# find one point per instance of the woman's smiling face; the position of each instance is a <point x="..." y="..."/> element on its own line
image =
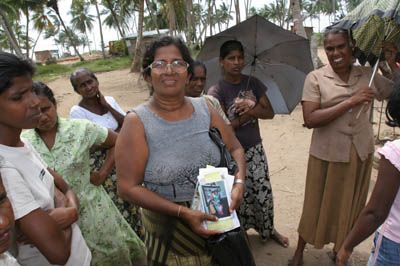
<point x="338" y="51"/>
<point x="168" y="82"/>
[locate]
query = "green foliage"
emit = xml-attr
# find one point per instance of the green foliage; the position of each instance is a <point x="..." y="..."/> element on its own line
<point x="320" y="38"/>
<point x="50" y="72"/>
<point x="275" y="12"/>
<point x="117" y="47"/>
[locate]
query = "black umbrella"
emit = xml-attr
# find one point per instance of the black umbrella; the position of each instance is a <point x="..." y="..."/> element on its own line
<point x="277" y="57"/>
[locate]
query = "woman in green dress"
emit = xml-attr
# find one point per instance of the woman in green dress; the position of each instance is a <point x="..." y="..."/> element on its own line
<point x="65" y="146"/>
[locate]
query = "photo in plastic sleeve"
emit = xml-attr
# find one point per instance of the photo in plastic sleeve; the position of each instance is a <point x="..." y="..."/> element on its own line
<point x="215" y="199"/>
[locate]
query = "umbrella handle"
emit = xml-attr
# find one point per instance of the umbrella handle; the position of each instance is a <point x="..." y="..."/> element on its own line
<point x="369" y="85"/>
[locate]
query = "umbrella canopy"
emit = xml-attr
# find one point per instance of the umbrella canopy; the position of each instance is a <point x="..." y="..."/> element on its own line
<point x="277" y="57"/>
<point x="372" y="23"/>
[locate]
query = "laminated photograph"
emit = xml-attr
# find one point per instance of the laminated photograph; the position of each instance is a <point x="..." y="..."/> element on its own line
<point x="213" y="196"/>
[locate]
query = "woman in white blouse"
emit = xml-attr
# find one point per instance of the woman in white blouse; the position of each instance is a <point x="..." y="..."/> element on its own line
<point x="104" y="111"/>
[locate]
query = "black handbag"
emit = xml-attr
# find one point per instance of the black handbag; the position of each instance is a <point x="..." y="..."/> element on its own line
<point x="229" y="248"/>
<point x="226" y="158"/>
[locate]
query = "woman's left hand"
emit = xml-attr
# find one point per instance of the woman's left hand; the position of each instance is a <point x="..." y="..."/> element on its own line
<point x="237" y="194"/>
<point x="342" y="257"/>
<point x="64" y="217"/>
<point x="97" y="178"/>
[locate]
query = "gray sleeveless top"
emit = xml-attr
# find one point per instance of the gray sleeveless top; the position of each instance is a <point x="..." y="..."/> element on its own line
<point x="177" y="150"/>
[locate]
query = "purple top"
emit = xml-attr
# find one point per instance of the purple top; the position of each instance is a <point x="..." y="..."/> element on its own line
<point x="248" y="133"/>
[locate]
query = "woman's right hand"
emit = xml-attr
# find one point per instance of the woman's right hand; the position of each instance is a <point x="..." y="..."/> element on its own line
<point x="195" y="220"/>
<point x="362" y="95"/>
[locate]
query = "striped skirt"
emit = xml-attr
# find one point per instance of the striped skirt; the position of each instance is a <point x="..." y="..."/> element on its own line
<point x="171" y="242"/>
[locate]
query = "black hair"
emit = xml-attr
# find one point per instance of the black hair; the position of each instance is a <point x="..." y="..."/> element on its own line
<point x="11" y="66"/>
<point x="79" y="72"/>
<point x="347" y="34"/>
<point x="42" y="89"/>
<point x="148" y="57"/>
<point x="199" y="64"/>
<point x="393" y="108"/>
<point x="229" y="46"/>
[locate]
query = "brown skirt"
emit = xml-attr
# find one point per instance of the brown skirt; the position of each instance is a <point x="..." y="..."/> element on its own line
<point x="334" y="197"/>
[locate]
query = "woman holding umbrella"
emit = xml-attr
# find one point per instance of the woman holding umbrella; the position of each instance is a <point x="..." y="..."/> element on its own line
<point x="244" y="100"/>
<point x="342" y="146"/>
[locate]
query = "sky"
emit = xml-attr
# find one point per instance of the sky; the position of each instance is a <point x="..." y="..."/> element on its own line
<point x="111" y="34"/>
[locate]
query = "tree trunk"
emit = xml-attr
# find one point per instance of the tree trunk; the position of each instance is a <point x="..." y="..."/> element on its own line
<point x="138" y="51"/>
<point x="101" y="29"/>
<point x="247" y="4"/>
<point x="10" y="34"/>
<point x="26" y="12"/>
<point x="114" y="15"/>
<point x="297" y="19"/>
<point x="34" y="44"/>
<point x="121" y="32"/>
<point x="189" y="22"/>
<point x="171" y="17"/>
<point x="209" y="16"/>
<point x="88" y="42"/>
<point x="69" y="36"/>
<point x="237" y="10"/>
<point x="153" y="18"/>
<point x="229" y="12"/>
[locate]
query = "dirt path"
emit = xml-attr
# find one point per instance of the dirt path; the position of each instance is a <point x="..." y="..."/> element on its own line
<point x="286" y="143"/>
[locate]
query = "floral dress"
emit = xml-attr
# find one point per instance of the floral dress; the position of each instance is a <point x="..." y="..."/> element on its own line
<point x="109" y="237"/>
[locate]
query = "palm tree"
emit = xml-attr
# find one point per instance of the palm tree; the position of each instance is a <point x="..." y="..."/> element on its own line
<point x="26" y="6"/>
<point x="171" y="17"/>
<point x="297" y="18"/>
<point x="190" y="29"/>
<point x="44" y="21"/>
<point x="222" y="16"/>
<point x="94" y="2"/>
<point x="114" y="19"/>
<point x="247" y="4"/>
<point x="237" y="10"/>
<point x="276" y="12"/>
<point x="351" y="4"/>
<point x="81" y="19"/>
<point x="209" y="21"/>
<point x="138" y="51"/>
<point x="9" y="12"/>
<point x="150" y="7"/>
<point x="53" y="4"/>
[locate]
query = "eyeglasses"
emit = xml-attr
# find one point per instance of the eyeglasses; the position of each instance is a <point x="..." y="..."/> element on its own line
<point x="160" y="66"/>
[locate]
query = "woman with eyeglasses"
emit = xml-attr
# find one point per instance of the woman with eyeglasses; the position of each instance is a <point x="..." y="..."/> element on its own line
<point x="335" y="105"/>
<point x="160" y="148"/>
<point x="106" y="112"/>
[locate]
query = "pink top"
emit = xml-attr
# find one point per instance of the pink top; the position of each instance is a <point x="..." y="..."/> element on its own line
<point x="391" y="151"/>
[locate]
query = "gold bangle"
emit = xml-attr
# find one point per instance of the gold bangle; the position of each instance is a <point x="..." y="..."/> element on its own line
<point x="179" y="210"/>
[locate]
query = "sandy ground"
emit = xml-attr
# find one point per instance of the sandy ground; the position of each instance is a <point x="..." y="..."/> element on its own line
<point x="286" y="142"/>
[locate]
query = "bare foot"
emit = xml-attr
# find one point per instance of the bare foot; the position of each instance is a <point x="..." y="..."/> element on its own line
<point x="297" y="259"/>
<point x="280" y="239"/>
